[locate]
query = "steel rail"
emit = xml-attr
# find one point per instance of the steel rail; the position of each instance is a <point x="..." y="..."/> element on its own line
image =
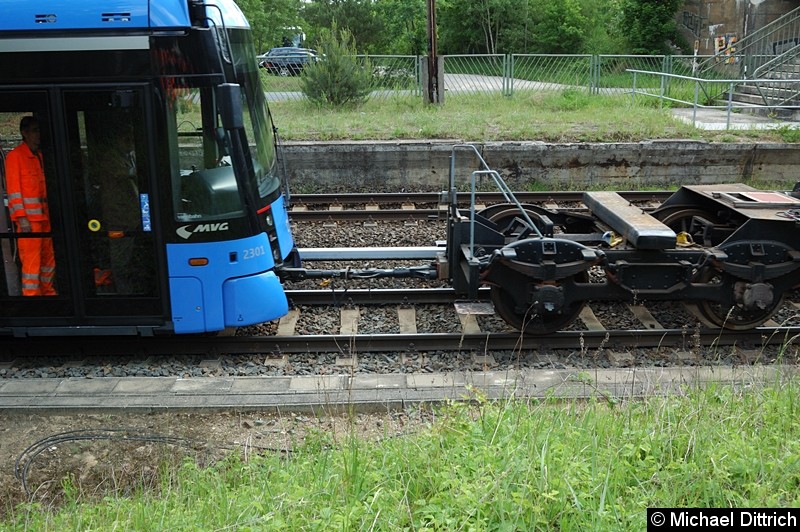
<point x="399" y="198"/>
<point x="379" y="296"/>
<point x="211" y="346"/>
<point x="412" y="212"/>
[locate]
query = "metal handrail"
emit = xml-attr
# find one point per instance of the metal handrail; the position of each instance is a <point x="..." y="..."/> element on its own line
<point x="776" y="62"/>
<point x="508" y="194"/>
<point x="729" y="106"/>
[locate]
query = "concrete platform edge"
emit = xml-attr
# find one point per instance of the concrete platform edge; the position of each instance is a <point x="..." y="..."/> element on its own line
<point x="364" y="392"/>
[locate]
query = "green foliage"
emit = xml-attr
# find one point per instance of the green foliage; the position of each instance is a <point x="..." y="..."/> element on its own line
<point x="338" y="78"/>
<point x="405" y="27"/>
<point x="649" y="26"/>
<point x="789" y="134"/>
<point x="268" y="19"/>
<point x="470" y="26"/>
<point x="560" y="26"/>
<point x="476" y="27"/>
<point x="525" y="26"/>
<point x="603" y="35"/>
<point x="358" y="17"/>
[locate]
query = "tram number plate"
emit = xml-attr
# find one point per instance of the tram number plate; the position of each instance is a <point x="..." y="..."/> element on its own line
<point x="252" y="253"/>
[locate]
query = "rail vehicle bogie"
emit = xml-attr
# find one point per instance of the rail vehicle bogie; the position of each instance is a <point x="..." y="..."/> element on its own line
<point x="729" y="251"/>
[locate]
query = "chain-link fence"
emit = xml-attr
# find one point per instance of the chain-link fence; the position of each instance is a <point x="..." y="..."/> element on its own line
<point x="392" y="76"/>
<point x="478" y="73"/>
<point x="540" y="72"/>
<point x="401" y="75"/>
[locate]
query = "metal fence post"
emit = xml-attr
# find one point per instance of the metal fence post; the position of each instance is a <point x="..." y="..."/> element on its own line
<point x="508" y="76"/>
<point x="730" y="105"/>
<point x="666" y="67"/>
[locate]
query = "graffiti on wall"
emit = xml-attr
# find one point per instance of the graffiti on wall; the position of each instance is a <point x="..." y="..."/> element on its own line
<point x="693" y="22"/>
<point x="779" y="47"/>
<point x="725" y="48"/>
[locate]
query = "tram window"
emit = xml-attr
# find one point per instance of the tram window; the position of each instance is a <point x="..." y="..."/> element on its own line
<point x="205" y="186"/>
<point x="108" y="151"/>
<point x="29" y="204"/>
<point x="257" y="122"/>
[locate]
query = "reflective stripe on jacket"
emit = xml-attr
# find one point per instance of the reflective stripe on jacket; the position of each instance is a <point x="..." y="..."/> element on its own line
<point x="27" y="192"/>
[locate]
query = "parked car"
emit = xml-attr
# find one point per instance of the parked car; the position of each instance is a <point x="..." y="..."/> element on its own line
<point x="287" y="61"/>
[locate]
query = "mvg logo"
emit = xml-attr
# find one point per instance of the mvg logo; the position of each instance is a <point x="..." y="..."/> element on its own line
<point x="185" y="232"/>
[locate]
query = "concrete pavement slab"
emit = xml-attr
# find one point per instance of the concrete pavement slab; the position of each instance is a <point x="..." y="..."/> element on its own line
<point x="29" y="387"/>
<point x="721" y="119"/>
<point x="203" y="386"/>
<point x="364" y="392"/>
<point x="145" y="385"/>
<point x="258" y="385"/>
<point x="436" y="380"/>
<point x="76" y="386"/>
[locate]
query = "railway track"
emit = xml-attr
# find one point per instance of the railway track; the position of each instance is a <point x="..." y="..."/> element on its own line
<point x="340" y="325"/>
<point x="349" y="367"/>
<point x="364" y="207"/>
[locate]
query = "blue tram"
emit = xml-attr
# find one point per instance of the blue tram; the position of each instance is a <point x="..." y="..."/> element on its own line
<point x="161" y="168"/>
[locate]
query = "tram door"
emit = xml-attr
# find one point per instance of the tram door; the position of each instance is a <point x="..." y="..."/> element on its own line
<point x="109" y="152"/>
<point x="86" y="252"/>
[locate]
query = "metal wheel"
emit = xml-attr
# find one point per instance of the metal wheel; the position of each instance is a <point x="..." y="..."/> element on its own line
<point x="680" y="220"/>
<point x="536" y="320"/>
<point x="508" y="217"/>
<point x="734" y="317"/>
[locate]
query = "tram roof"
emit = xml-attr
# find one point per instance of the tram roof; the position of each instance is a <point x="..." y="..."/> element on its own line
<point x="117" y="15"/>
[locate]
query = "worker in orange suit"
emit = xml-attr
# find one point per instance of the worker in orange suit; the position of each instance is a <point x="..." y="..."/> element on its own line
<point x="27" y="203"/>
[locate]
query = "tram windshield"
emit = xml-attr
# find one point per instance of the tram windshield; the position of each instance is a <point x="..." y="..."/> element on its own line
<point x="205" y="185"/>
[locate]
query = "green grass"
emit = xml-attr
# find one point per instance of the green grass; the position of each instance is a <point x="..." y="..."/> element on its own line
<point x="567" y="116"/>
<point x="515" y="465"/>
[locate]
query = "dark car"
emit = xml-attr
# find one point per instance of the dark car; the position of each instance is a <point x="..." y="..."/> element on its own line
<point x="287" y="61"/>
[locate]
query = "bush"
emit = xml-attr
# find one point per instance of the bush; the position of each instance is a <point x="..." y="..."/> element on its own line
<point x="339" y="78"/>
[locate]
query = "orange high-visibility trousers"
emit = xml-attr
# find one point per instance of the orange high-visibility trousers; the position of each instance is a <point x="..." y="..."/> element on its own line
<point x="38" y="262"/>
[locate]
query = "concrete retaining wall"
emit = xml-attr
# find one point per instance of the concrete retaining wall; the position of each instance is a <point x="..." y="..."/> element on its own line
<point x="423" y="166"/>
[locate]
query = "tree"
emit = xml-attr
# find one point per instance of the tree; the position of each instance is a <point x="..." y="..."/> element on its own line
<point x="649" y="25"/>
<point x="559" y="27"/>
<point x="515" y="26"/>
<point x="269" y="20"/>
<point x="359" y="17"/>
<point x="339" y="78"/>
<point x="603" y="34"/>
<point x="404" y="26"/>
<point x="475" y="26"/>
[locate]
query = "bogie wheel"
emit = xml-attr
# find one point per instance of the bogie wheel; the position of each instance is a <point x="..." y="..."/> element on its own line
<point x="712" y="313"/>
<point x="680" y="220"/>
<point x="510" y="220"/>
<point x="733" y="317"/>
<point x="533" y="321"/>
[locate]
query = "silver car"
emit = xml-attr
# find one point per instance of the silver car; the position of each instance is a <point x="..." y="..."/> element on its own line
<point x="287" y="61"/>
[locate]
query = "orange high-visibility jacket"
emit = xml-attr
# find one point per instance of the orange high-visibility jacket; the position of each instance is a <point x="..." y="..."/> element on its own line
<point x="27" y="192"/>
